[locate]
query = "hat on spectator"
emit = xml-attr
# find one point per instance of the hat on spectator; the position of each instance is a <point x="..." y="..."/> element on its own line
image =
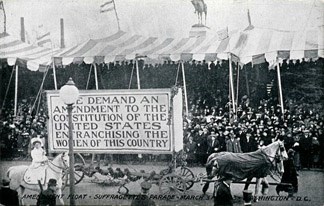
<point x="5" y="182"/>
<point x="146" y="185"/>
<point x="51" y="182"/>
<point x="306" y="131"/>
<point x="35" y="140"/>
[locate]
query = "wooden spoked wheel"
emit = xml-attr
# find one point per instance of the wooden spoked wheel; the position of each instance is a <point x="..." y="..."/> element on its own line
<point x="79" y="164"/>
<point x="172" y="184"/>
<point x="187" y="175"/>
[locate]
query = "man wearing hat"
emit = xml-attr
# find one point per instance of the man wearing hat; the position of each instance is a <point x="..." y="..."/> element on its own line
<point x="47" y="197"/>
<point x="143" y="199"/>
<point x="222" y="192"/>
<point x="305" y="143"/>
<point x="7" y="195"/>
<point x="37" y="154"/>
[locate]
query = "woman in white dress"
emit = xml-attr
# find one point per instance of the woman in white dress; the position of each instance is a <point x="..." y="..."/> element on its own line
<point x="38" y="153"/>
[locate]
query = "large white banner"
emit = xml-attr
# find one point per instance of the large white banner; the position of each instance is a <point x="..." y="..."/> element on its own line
<point x="114" y="121"/>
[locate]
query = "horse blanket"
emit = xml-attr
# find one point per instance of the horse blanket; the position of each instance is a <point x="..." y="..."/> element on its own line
<point x="32" y="175"/>
<point x="239" y="166"/>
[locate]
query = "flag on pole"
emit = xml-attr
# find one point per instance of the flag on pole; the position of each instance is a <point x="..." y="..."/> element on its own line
<point x="222" y="34"/>
<point x="43" y="37"/>
<point x="1" y="5"/>
<point x="107" y="6"/>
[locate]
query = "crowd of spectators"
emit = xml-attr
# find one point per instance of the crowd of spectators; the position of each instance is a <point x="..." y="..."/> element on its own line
<point x="210" y="127"/>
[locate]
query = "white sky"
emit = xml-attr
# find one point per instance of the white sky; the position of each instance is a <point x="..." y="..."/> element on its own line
<point x="172" y="18"/>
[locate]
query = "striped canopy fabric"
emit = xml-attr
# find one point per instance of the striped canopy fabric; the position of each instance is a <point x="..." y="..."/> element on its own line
<point x="17" y="52"/>
<point x="253" y="45"/>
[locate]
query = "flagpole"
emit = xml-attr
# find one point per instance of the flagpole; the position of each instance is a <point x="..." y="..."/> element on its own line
<point x="137" y="74"/>
<point x="16" y="91"/>
<point x="280" y="89"/>
<point x="185" y="87"/>
<point x="4" y="18"/>
<point x="116" y="15"/>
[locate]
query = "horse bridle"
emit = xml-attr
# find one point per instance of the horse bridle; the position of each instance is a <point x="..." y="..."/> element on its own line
<point x="56" y="166"/>
<point x="276" y="159"/>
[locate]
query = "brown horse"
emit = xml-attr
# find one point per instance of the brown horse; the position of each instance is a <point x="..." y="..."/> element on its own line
<point x="200" y="8"/>
<point x="239" y="166"/>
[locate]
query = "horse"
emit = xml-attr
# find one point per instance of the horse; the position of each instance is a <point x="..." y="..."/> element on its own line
<point x="200" y="8"/>
<point x="54" y="171"/>
<point x="239" y="166"/>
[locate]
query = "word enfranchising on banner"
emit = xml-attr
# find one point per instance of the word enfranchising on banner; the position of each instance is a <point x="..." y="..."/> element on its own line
<point x="115" y="121"/>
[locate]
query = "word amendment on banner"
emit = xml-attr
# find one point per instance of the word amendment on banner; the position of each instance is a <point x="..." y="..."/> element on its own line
<point x="114" y="121"/>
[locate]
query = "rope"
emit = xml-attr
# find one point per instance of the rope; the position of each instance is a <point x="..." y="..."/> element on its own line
<point x="41" y="88"/>
<point x="5" y="97"/>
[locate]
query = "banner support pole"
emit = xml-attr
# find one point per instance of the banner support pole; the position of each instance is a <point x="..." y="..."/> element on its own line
<point x="137" y="75"/>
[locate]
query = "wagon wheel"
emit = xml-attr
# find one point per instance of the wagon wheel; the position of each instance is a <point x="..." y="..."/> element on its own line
<point x="187" y="175"/>
<point x="79" y="164"/>
<point x="172" y="184"/>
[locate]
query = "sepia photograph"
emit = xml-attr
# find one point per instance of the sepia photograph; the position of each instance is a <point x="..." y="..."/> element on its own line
<point x="162" y="102"/>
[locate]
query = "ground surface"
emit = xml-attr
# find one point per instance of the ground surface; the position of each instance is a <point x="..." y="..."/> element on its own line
<point x="311" y="189"/>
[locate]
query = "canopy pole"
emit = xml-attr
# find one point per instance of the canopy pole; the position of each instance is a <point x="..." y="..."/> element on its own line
<point x="280" y="89"/>
<point x="96" y="75"/>
<point x="176" y="81"/>
<point x="54" y="74"/>
<point x="185" y="87"/>
<point x="137" y="74"/>
<point x="16" y="91"/>
<point x="89" y="77"/>
<point x="237" y="86"/>
<point x="40" y="89"/>
<point x="131" y="78"/>
<point x="7" y="90"/>
<point x="231" y="82"/>
<point x="247" y="81"/>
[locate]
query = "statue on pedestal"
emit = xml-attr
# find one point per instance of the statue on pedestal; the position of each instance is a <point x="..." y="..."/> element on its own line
<point x="200" y="8"/>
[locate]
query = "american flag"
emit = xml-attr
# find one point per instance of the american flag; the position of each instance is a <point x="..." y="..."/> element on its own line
<point x="107" y="6"/>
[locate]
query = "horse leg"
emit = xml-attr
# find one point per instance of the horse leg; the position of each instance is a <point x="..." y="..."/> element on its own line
<point x="257" y="189"/>
<point x="209" y="169"/>
<point x="59" y="193"/>
<point x="265" y="186"/>
<point x="21" y="192"/>
<point x="247" y="184"/>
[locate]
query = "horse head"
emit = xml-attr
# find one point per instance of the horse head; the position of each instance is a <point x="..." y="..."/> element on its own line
<point x="276" y="153"/>
<point x="61" y="161"/>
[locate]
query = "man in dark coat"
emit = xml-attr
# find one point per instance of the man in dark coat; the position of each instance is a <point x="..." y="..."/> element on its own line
<point x="7" y="195"/>
<point x="213" y="144"/>
<point x="289" y="176"/>
<point x="222" y="193"/>
<point x="201" y="151"/>
<point x="248" y="143"/>
<point x="47" y="197"/>
<point x="305" y="143"/>
<point x="143" y="198"/>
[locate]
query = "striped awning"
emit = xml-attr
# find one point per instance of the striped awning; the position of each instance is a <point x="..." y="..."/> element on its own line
<point x="17" y="52"/>
<point x="248" y="46"/>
